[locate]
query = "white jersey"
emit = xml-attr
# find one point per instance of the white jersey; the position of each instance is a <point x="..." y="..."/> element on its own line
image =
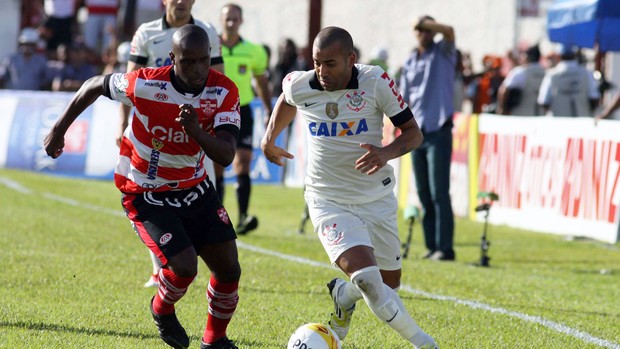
<point x="337" y="123"/>
<point x="527" y="79"/>
<point x="152" y="43"/>
<point x="567" y="89"/>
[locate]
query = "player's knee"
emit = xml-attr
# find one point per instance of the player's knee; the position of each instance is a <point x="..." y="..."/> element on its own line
<point x="227" y="274"/>
<point x="368" y="280"/>
<point x="184" y="264"/>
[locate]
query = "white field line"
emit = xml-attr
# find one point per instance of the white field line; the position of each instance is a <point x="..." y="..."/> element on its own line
<point x="584" y="336"/>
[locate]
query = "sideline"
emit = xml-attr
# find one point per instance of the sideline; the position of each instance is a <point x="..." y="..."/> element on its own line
<point x="584" y="336"/>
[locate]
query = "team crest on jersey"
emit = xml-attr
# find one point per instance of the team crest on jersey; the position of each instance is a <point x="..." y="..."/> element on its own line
<point x="332" y="235"/>
<point x="162" y="97"/>
<point x="331" y="110"/>
<point x="356" y="101"/>
<point x="243" y="69"/>
<point x="157" y="144"/>
<point x="208" y="106"/>
<point x="221" y="212"/>
<point x="165" y="239"/>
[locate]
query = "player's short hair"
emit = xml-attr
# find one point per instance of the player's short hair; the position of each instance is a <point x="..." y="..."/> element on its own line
<point x="190" y="35"/>
<point x="331" y="35"/>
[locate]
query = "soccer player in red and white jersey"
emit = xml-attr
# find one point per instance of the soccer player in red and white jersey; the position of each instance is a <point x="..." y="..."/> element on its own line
<point x="349" y="184"/>
<point x="184" y="112"/>
<point x="150" y="47"/>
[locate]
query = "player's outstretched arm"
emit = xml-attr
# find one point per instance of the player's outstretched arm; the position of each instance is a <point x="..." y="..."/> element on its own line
<point x="125" y="109"/>
<point x="283" y="114"/>
<point x="88" y="93"/>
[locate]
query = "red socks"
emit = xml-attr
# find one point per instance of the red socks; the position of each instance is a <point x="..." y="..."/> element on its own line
<point x="171" y="288"/>
<point x="223" y="299"/>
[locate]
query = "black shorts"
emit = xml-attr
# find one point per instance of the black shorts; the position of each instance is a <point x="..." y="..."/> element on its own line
<point x="247" y="128"/>
<point x="169" y="222"/>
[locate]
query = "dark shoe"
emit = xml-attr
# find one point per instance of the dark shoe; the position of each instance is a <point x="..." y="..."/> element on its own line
<point x="247" y="224"/>
<point x="170" y="330"/>
<point x="442" y="256"/>
<point x="222" y="343"/>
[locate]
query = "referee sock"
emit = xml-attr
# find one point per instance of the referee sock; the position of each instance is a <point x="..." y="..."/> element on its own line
<point x="171" y="288"/>
<point x="244" y="187"/>
<point x="223" y="299"/>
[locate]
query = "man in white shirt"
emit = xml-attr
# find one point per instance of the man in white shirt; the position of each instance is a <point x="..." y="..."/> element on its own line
<point x="569" y="89"/>
<point x="518" y="93"/>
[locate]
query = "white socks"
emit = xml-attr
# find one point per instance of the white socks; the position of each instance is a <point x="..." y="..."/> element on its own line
<point x="386" y="305"/>
<point x="155" y="261"/>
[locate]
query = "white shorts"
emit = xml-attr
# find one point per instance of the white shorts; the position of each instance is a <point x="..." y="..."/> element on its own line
<point x="373" y="224"/>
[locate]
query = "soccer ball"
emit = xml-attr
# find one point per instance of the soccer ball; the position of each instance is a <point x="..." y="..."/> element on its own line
<point x="314" y="336"/>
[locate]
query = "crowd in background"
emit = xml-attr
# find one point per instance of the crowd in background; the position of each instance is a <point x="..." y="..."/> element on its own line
<point x="64" y="42"/>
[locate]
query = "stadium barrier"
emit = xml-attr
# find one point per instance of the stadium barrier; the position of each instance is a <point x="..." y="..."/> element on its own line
<point x="555" y="175"/>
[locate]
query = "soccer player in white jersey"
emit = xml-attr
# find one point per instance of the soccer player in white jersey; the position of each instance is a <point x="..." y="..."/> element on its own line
<point x="349" y="185"/>
<point x="150" y="47"/>
<point x="183" y="113"/>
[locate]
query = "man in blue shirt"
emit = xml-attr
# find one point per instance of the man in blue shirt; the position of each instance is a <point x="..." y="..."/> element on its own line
<point x="427" y="85"/>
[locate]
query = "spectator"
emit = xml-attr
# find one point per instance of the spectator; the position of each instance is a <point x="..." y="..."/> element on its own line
<point x="245" y="61"/>
<point x="427" y="84"/>
<point x="60" y="25"/>
<point x="569" y="89"/>
<point x="118" y="59"/>
<point x="519" y="91"/>
<point x="166" y="193"/>
<point x="150" y="47"/>
<point x="75" y="70"/>
<point x="349" y="184"/>
<point x="100" y="26"/>
<point x="483" y="88"/>
<point x="25" y="69"/>
<point x="288" y="60"/>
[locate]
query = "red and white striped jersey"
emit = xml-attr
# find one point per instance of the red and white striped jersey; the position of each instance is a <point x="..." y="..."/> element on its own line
<point x="156" y="154"/>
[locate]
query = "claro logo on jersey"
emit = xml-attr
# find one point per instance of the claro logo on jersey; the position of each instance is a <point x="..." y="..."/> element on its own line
<point x="170" y="135"/>
<point x="337" y="129"/>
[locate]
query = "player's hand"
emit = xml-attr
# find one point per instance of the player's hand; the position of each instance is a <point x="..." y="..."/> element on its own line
<point x="274" y="154"/>
<point x="189" y="119"/>
<point x="53" y="144"/>
<point x="372" y="161"/>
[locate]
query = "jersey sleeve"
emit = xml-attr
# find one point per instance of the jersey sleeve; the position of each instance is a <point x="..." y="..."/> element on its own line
<point x="139" y="50"/>
<point x="121" y="87"/>
<point x="388" y="97"/>
<point x="228" y="112"/>
<point x="287" y="87"/>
